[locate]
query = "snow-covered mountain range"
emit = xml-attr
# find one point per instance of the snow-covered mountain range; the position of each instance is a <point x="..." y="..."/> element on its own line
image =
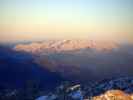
<point x="65" y="45"/>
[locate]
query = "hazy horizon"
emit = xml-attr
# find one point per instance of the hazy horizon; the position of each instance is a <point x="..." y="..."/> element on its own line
<point x="32" y="20"/>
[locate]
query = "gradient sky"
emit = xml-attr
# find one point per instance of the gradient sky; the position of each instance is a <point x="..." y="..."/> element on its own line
<point x="44" y="19"/>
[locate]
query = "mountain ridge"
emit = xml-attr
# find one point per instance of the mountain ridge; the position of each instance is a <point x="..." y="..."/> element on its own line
<point x="65" y="45"/>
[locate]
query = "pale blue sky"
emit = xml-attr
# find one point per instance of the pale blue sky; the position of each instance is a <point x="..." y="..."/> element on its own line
<point x="66" y="18"/>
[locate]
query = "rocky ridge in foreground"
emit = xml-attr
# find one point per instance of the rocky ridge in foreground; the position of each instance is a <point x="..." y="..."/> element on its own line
<point x="114" y="95"/>
<point x="115" y="89"/>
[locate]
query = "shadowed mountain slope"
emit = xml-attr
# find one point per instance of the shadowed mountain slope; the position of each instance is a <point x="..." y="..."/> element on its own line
<point x="17" y="68"/>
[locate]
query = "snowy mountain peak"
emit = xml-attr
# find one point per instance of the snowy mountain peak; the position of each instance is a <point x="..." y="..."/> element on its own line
<point x="65" y="45"/>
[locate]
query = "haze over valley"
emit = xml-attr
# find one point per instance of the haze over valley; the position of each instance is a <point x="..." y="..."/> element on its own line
<point x="102" y="59"/>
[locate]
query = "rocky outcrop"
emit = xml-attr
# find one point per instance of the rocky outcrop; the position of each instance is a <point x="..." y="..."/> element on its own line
<point x="114" y="95"/>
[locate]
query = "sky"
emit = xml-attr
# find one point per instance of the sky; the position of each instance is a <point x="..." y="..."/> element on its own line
<point x="53" y="19"/>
